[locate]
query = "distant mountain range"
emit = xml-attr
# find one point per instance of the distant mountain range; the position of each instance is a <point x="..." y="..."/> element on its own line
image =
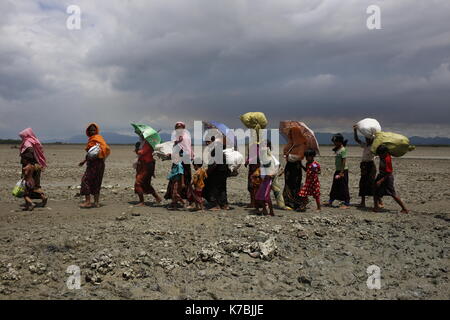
<point x="322" y="138"/>
<point x="110" y="137"/>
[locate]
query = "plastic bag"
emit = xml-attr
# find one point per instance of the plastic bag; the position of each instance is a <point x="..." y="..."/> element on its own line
<point x="397" y="144"/>
<point x="254" y="120"/>
<point x="234" y="159"/>
<point x="94" y="151"/>
<point x="19" y="189"/>
<point x="163" y="150"/>
<point x="368" y="127"/>
<point x="270" y="168"/>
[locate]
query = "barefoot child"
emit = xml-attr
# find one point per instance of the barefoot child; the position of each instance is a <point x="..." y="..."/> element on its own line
<point x="176" y="182"/>
<point x="312" y="183"/>
<point x="339" y="189"/>
<point x="198" y="183"/>
<point x="368" y="169"/>
<point x="384" y="185"/>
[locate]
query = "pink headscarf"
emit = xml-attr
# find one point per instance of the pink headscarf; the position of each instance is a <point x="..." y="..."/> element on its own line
<point x="29" y="140"/>
<point x="184" y="139"/>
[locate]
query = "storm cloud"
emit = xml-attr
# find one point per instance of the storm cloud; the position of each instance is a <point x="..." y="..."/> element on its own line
<point x="161" y="61"/>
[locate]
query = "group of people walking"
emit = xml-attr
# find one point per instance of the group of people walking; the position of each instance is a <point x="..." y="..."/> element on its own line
<point x="187" y="189"/>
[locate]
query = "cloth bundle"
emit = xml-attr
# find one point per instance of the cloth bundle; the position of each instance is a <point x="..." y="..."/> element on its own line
<point x="368" y="127"/>
<point x="234" y="159"/>
<point x="163" y="150"/>
<point x="254" y="120"/>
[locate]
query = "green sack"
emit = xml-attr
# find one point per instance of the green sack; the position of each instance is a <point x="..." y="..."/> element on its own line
<point x="19" y="189"/>
<point x="397" y="144"/>
<point x="254" y="120"/>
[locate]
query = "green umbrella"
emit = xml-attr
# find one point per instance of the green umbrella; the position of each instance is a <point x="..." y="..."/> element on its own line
<point x="149" y="134"/>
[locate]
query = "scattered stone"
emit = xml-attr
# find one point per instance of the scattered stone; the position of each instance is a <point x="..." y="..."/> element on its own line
<point x="167" y="264"/>
<point x="320" y="233"/>
<point x="210" y="255"/>
<point x="304" y="279"/>
<point x="302" y="235"/>
<point x="277" y="228"/>
<point x="121" y="217"/>
<point x="38" y="268"/>
<point x="128" y="274"/>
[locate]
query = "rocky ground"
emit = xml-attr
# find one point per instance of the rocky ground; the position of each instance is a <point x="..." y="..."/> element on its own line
<point x="124" y="252"/>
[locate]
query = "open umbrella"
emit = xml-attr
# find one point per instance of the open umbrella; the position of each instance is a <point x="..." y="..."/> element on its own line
<point x="227" y="132"/>
<point x="308" y="134"/>
<point x="149" y="134"/>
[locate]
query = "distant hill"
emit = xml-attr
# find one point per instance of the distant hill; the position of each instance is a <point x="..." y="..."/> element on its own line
<point x="110" y="137"/>
<point x="324" y="138"/>
<point x="10" y="141"/>
<point x="429" y="141"/>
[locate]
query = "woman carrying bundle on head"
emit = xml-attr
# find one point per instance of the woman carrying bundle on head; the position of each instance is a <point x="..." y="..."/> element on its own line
<point x="33" y="162"/>
<point x="368" y="168"/>
<point x="253" y="163"/>
<point x="339" y="189"/>
<point x="96" y="152"/>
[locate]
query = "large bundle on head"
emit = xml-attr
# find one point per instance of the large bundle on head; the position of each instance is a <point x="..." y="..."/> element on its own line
<point x="163" y="150"/>
<point x="300" y="138"/>
<point x="254" y="120"/>
<point x="368" y="127"/>
<point x="397" y="144"/>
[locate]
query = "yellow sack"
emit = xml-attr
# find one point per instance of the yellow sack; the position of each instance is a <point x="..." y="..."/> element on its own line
<point x="397" y="144"/>
<point x="254" y="120"/>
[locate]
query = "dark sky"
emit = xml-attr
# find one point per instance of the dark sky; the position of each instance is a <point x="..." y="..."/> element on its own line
<point x="161" y="61"/>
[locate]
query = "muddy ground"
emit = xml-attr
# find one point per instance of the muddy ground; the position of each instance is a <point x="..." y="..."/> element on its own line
<point x="125" y="252"/>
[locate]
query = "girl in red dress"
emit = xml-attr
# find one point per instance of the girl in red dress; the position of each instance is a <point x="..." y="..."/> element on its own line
<point x="312" y="183"/>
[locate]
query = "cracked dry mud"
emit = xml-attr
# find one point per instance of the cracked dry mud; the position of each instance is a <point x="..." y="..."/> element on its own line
<point x="125" y="252"/>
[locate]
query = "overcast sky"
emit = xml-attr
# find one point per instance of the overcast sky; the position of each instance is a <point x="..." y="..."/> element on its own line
<point x="161" y="61"/>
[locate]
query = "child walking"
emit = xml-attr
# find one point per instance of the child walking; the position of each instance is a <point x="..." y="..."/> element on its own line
<point x="384" y="185"/>
<point x="31" y="174"/>
<point x="339" y="189"/>
<point x="176" y="182"/>
<point x="198" y="183"/>
<point x="368" y="169"/>
<point x="255" y="181"/>
<point x="312" y="183"/>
